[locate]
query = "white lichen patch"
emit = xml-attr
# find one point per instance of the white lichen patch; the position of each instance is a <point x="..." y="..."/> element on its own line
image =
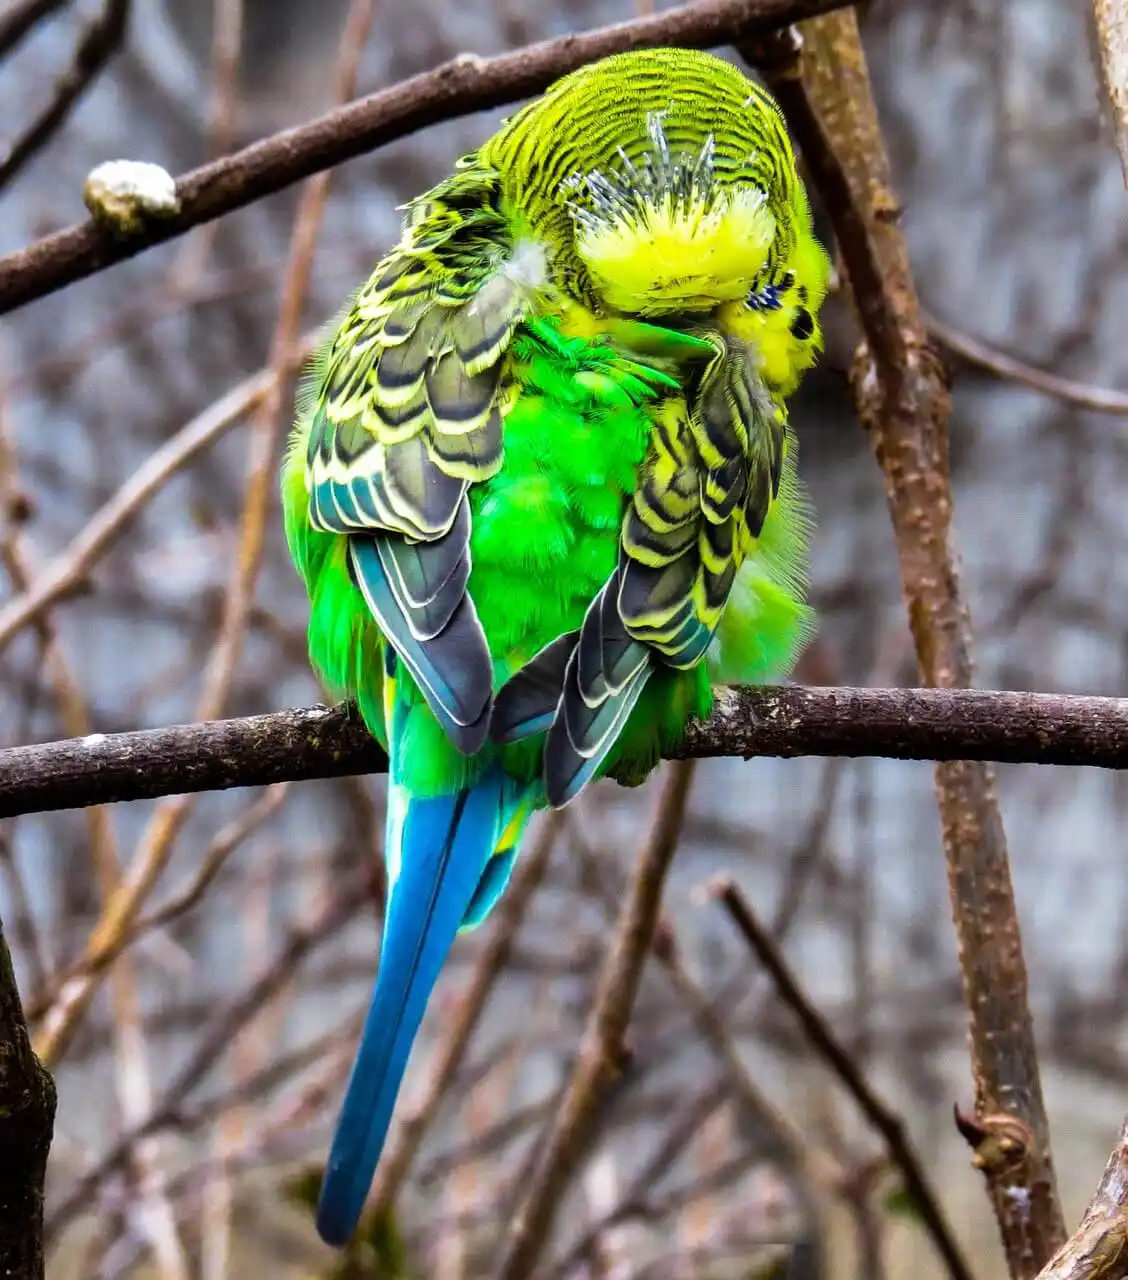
<point x="123" y="195"/>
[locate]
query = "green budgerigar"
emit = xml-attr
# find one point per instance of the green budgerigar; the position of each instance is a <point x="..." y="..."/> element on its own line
<point x="542" y="489"/>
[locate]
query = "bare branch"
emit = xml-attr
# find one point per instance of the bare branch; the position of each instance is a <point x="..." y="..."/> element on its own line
<point x="902" y="401"/>
<point x="17" y="21"/>
<point x="1098" y="1249"/>
<point x="833" y="1052"/>
<point x="27" y="1118"/>
<point x="96" y="46"/>
<point x="331" y="742"/>
<point x="603" y="1050"/>
<point x="215" y="1041"/>
<point x="984" y="356"/>
<point x="457" y="88"/>
<point x="67" y="572"/>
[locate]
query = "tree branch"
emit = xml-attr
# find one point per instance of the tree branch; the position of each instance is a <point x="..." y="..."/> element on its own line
<point x="96" y="46"/>
<point x="983" y="355"/>
<point x="603" y="1052"/>
<point x="27" y="1118"/>
<point x="1098" y="1249"/>
<point x="902" y="400"/>
<point x="17" y="21"/>
<point x="818" y="1031"/>
<point x="331" y="742"/>
<point x="457" y="88"/>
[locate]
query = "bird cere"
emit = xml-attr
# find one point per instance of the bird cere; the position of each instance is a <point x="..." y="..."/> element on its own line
<point x="542" y="490"/>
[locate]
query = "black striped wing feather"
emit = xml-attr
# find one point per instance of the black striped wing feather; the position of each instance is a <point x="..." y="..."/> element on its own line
<point x="408" y="416"/>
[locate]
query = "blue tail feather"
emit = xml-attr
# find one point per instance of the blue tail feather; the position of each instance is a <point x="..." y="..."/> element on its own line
<point x="490" y="888"/>
<point x="440" y="856"/>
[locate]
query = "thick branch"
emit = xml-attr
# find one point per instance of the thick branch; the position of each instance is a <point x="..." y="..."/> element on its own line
<point x="457" y="88"/>
<point x="1098" y="1249"/>
<point x="27" y="1117"/>
<point x="903" y="402"/>
<point x="331" y="742"/>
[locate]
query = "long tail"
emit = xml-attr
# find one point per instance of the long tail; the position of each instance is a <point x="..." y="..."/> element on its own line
<point x="449" y="859"/>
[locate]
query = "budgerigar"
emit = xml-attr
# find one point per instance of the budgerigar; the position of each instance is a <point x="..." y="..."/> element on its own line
<point x="542" y="489"/>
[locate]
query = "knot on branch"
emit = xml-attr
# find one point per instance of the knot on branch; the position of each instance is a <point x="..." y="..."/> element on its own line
<point x="1003" y="1146"/>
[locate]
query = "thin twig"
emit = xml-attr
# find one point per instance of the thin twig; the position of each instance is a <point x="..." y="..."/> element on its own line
<point x="30" y="939"/>
<point x="211" y="861"/>
<point x="17" y="21"/>
<point x="822" y="1038"/>
<point x="684" y="1127"/>
<point x="228" y="21"/>
<point x="132" y="1076"/>
<point x="984" y="356"/>
<point x="215" y="1040"/>
<point x="603" y="1050"/>
<point x="457" y="88"/>
<point x="99" y="42"/>
<point x="67" y="572"/>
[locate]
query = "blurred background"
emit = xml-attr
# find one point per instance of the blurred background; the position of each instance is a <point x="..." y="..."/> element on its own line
<point x="227" y="1028"/>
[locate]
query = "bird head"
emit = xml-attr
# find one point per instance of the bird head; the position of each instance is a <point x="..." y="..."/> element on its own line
<point x="662" y="181"/>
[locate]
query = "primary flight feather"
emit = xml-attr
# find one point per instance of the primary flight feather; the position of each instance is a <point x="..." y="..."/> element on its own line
<point x="542" y="489"/>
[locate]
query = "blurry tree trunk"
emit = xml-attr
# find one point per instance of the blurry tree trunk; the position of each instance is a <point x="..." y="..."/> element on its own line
<point x="27" y="1117"/>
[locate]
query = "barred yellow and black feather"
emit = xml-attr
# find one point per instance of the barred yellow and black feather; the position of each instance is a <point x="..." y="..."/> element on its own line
<point x="409" y="415"/>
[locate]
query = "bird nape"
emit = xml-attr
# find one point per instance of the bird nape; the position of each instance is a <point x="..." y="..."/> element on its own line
<point x="542" y="490"/>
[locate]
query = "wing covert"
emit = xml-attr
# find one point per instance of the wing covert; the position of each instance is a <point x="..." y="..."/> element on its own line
<point x="408" y="415"/>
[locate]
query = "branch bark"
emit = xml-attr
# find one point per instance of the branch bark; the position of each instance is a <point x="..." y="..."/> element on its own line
<point x="457" y="88"/>
<point x="902" y="400"/>
<point x="27" y="1118"/>
<point x="1111" y="17"/>
<point x="1098" y="1249"/>
<point x="331" y="742"/>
